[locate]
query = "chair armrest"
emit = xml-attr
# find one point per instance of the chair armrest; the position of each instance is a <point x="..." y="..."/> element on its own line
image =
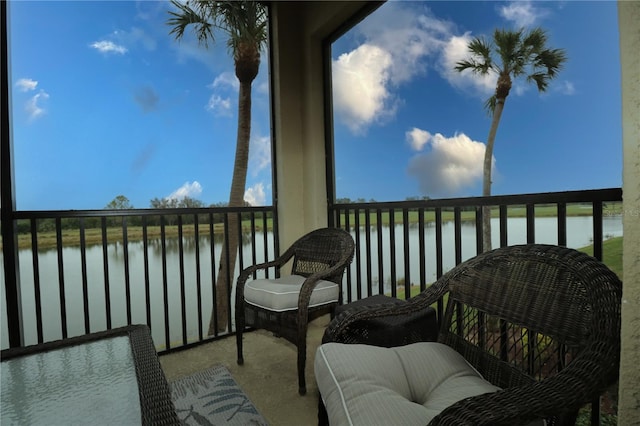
<point x="347" y="326"/>
<point x="278" y="262"/>
<point x="311" y="281"/>
<point x="247" y="272"/>
<point x="563" y="394"/>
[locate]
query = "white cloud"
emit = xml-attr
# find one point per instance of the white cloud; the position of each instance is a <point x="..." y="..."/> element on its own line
<point x="255" y="195"/>
<point x="105" y="46"/>
<point x="397" y="44"/>
<point x="226" y="79"/>
<point x="456" y="50"/>
<point x="26" y="84"/>
<point x="451" y="164"/>
<point x="566" y="88"/>
<point x="360" y="94"/>
<point x="34" y="106"/>
<point x="521" y="13"/>
<point x="189" y="189"/>
<point x="417" y="138"/>
<point x="219" y="105"/>
<point x="409" y="37"/>
<point x="259" y="154"/>
<point x="400" y="45"/>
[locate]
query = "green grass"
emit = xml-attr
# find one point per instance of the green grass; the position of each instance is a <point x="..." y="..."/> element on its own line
<point x="611" y="253"/>
<point x="609" y="209"/>
<point x="93" y="236"/>
<point x="612" y="257"/>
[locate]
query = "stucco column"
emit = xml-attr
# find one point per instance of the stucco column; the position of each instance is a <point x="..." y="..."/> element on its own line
<point x="299" y="124"/>
<point x="299" y="29"/>
<point x="629" y="390"/>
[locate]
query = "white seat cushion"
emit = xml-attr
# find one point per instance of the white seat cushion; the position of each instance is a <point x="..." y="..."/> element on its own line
<point x="406" y="385"/>
<point x="281" y="294"/>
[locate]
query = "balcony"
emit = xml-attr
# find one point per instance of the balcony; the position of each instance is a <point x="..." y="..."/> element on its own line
<point x="98" y="270"/>
<point x="301" y="131"/>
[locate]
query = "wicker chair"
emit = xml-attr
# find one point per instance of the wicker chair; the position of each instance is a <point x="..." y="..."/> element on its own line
<point x="540" y="322"/>
<point x="285" y="305"/>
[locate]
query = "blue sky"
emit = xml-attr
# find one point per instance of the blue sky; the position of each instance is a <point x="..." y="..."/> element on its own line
<point x="106" y="103"/>
<point x="418" y="128"/>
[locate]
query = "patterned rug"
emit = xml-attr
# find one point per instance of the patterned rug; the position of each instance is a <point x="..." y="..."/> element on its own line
<point x="212" y="397"/>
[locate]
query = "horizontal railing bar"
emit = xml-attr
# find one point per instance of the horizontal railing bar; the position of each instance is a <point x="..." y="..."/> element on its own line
<point x="52" y="214"/>
<point x="586" y="196"/>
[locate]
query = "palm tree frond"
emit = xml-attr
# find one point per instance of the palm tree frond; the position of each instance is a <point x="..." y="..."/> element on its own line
<point x="188" y="16"/>
<point x="480" y="61"/>
<point x="490" y="105"/>
<point x="541" y="79"/>
<point x="243" y="21"/>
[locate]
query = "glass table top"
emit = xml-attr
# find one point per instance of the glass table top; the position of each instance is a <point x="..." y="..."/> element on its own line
<point x="90" y="383"/>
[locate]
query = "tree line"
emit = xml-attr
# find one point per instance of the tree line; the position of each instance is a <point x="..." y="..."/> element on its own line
<point x="122" y="203"/>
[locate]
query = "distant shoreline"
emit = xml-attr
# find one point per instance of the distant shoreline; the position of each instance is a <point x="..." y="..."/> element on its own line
<point x="93" y="236"/>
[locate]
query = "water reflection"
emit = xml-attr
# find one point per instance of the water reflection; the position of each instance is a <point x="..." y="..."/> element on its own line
<point x="376" y="265"/>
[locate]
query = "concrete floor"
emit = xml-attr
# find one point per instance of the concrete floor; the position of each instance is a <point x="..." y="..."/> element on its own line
<point x="269" y="375"/>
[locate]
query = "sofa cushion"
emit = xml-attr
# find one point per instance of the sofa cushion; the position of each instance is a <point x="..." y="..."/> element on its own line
<point x="281" y="294"/>
<point x="406" y="385"/>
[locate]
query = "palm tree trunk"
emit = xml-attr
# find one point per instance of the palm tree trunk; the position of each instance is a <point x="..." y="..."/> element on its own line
<point x="486" y="180"/>
<point x="219" y="316"/>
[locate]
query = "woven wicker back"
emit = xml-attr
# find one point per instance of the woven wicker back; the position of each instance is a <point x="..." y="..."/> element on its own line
<point x="322" y="249"/>
<point x="522" y="313"/>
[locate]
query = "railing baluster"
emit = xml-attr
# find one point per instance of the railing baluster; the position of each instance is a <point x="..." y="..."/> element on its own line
<point x="356" y="225"/>
<point x="145" y="260"/>
<point x="254" y="258"/>
<point x="504" y="218"/>
<point x="196" y="231"/>
<point x="562" y="224"/>
<point x="85" y="283"/>
<point x="422" y="250"/>
<point x="165" y="285"/>
<point x="214" y="296"/>
<point x="347" y="227"/>
<point x="105" y="266"/>
<point x="392" y="251"/>
<point x="127" y="278"/>
<point x="183" y="293"/>
<point x="407" y="254"/>
<point x="597" y="230"/>
<point x="479" y="233"/>
<point x="63" y="302"/>
<point x="367" y="234"/>
<point x="457" y="234"/>
<point x="439" y="261"/>
<point x="230" y="272"/>
<point x="380" y="252"/>
<point x="265" y="237"/>
<point x="531" y="224"/>
<point x="36" y="278"/>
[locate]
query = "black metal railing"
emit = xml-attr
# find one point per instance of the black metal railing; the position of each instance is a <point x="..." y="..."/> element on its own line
<point x="400" y="246"/>
<point x="88" y="271"/>
<point x="405" y="245"/>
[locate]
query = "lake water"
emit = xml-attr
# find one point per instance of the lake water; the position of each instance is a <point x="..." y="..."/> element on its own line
<point x="579" y="234"/>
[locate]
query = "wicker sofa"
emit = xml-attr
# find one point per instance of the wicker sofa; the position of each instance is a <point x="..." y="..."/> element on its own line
<point x="529" y="334"/>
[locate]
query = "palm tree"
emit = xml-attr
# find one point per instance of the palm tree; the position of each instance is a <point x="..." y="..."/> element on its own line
<point x="511" y="54"/>
<point x="245" y="24"/>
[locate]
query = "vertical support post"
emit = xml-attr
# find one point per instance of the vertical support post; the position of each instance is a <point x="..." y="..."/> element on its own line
<point x="8" y="204"/>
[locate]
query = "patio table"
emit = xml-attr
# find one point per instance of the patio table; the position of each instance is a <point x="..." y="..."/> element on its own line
<point x="391" y="331"/>
<point x="109" y="377"/>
